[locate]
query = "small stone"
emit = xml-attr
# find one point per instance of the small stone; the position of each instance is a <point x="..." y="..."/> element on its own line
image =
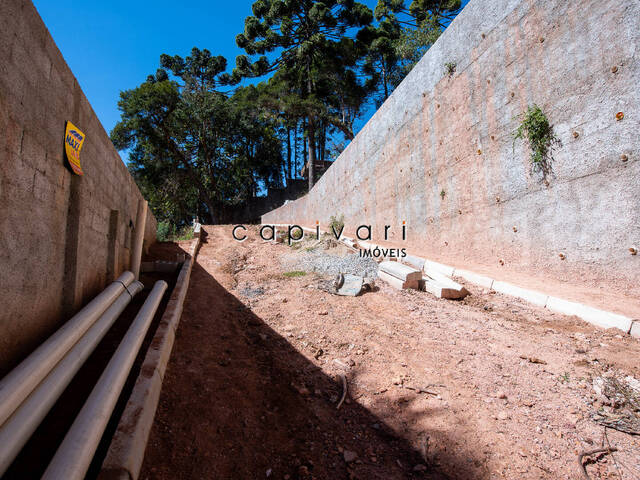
<point x="303" y="470"/>
<point x="324" y="312"/>
<point x="503" y="415"/>
<point x="501" y="395"/>
<point x="304" y="391"/>
<point x="349" y="456"/>
<point x="269" y="471"/>
<point x="614" y="69"/>
<point x="419" y="468"/>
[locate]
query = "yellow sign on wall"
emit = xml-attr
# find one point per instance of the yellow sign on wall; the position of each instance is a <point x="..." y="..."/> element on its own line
<point x="73" y="140"/>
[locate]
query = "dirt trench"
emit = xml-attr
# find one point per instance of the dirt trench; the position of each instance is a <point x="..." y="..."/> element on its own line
<point x="488" y="387"/>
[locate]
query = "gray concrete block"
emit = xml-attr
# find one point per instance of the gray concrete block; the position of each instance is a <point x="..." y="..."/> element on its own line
<point x="441" y="290"/>
<point x="415" y="262"/>
<point x="592" y="315"/>
<point x="403" y="272"/>
<point x="396" y="283"/>
<point x="635" y="329"/>
<point x="474" y="278"/>
<point x="530" y="296"/>
<point x="439" y="267"/>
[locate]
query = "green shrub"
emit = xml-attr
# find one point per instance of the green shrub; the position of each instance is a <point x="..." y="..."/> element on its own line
<point x="536" y="129"/>
<point x="336" y="224"/>
<point x="295" y="273"/>
<point x="165" y="230"/>
<point x="296" y="233"/>
<point x="450" y="68"/>
<point x="185" y="233"/>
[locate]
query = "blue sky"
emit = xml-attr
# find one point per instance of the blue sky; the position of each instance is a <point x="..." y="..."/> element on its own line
<point x="113" y="45"/>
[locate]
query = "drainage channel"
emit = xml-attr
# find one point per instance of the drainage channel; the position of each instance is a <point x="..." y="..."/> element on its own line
<point x="41" y="447"/>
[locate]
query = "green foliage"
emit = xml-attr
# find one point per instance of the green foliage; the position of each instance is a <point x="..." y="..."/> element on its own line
<point x="336" y="223"/>
<point x="164" y="231"/>
<point x="167" y="232"/>
<point x="193" y="149"/>
<point x="296" y="234"/>
<point x="536" y="129"/>
<point x="315" y="59"/>
<point x="296" y="273"/>
<point x="410" y="28"/>
<point x="185" y="233"/>
<point x="443" y="194"/>
<point x="450" y="68"/>
<point x="196" y="150"/>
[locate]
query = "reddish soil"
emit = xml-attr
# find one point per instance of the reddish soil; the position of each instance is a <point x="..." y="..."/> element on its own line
<point x="487" y="387"/>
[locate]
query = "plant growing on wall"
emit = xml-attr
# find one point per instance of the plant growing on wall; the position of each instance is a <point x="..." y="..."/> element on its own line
<point x="538" y="132"/>
<point x="450" y="68"/>
<point x="336" y="223"/>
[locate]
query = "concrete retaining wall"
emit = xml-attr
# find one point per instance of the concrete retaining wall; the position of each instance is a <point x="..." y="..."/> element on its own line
<point x="62" y="237"/>
<point x="440" y="154"/>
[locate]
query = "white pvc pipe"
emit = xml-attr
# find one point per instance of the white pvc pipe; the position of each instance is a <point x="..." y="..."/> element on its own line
<point x="73" y="457"/>
<point x="15" y="432"/>
<point x="23" y="379"/>
<point x="136" y="253"/>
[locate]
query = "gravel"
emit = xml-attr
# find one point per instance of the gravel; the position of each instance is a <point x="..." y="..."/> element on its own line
<point x="321" y="262"/>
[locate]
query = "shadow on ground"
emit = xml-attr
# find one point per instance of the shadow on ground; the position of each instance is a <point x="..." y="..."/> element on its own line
<point x="240" y="402"/>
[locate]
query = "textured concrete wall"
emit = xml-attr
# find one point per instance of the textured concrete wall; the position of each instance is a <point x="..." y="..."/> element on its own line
<point x="61" y="236"/>
<point x="454" y="135"/>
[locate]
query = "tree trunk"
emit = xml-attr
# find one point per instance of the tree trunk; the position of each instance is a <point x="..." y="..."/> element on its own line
<point x="312" y="132"/>
<point x="295" y="149"/>
<point x="384" y="79"/>
<point x="312" y="151"/>
<point x="305" y="157"/>
<point x="288" y="154"/>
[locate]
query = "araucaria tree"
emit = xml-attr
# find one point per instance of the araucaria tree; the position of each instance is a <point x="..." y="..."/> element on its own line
<point x="303" y="36"/>
<point x="194" y="148"/>
<point x="405" y="31"/>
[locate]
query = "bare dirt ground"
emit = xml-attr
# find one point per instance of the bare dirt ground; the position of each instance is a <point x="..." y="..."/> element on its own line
<point x="487" y="387"/>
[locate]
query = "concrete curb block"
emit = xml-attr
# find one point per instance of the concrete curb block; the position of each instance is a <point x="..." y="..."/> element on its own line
<point x="474" y="278"/>
<point x="439" y="267"/>
<point x="531" y="296"/>
<point x="592" y="315"/>
<point x="635" y="329"/>
<point x="126" y="452"/>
